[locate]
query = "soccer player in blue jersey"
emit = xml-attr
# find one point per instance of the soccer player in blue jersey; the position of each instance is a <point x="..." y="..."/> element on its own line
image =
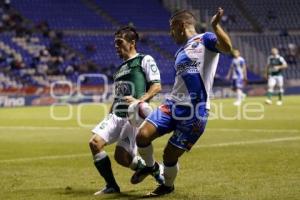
<point x="185" y="112"/>
<point x="238" y="74"/>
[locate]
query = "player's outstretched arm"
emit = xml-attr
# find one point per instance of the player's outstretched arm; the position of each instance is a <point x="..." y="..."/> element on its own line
<point x="154" y="89"/>
<point x="283" y="65"/>
<point x="224" y="42"/>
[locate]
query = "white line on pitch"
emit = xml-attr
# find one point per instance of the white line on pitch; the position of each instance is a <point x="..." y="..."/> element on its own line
<point x="208" y="129"/>
<point x="39" y="127"/>
<point x="157" y="149"/>
<point x="254" y="130"/>
<point x="249" y="142"/>
<point x="45" y="158"/>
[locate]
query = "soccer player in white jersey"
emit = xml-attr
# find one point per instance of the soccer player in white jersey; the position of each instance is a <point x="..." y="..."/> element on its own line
<point x="137" y="77"/>
<point x="275" y="65"/>
<point x="186" y="111"/>
<point x="238" y="74"/>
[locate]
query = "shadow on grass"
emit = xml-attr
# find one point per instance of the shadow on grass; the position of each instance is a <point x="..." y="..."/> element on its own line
<point x="129" y="194"/>
<point x="87" y="193"/>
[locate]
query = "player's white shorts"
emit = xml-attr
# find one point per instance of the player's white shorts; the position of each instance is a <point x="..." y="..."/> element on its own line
<point x="275" y="80"/>
<point x="116" y="129"/>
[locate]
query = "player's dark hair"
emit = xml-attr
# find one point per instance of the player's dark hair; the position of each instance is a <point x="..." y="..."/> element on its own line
<point x="184" y="16"/>
<point x="128" y="33"/>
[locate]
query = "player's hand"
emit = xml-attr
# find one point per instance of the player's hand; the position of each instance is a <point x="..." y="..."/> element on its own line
<point x="245" y="81"/>
<point x="129" y="99"/>
<point x="217" y="17"/>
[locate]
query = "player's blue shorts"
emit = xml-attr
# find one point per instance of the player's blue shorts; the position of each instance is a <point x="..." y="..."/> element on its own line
<point x="187" y="125"/>
<point x="237" y="84"/>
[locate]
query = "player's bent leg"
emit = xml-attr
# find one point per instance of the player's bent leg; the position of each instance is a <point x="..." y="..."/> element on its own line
<point x="147" y="133"/>
<point x="96" y="144"/>
<point x="134" y="162"/>
<point x="103" y="165"/>
<point x="123" y="157"/>
<point x="170" y="157"/>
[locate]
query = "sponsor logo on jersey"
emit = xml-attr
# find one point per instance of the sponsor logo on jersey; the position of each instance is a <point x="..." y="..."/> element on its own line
<point x="187" y="67"/>
<point x="124" y="70"/>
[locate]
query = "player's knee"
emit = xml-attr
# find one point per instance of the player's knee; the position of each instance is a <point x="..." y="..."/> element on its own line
<point x="142" y="138"/>
<point x="122" y="157"/>
<point x="96" y="144"/>
<point x="91" y="143"/>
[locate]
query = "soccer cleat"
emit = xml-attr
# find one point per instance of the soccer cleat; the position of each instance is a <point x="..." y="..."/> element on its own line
<point x="237" y="103"/>
<point x="159" y="175"/>
<point x="142" y="173"/>
<point x="279" y="103"/>
<point x="161" y="190"/>
<point x="108" y="190"/>
<point x="268" y="101"/>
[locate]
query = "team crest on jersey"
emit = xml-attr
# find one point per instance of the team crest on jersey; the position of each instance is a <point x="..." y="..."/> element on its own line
<point x="153" y="68"/>
<point x="196" y="42"/>
<point x="195" y="45"/>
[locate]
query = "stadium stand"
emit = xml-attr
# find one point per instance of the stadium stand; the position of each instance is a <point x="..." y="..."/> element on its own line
<point x="148" y="15"/>
<point x="274" y="14"/>
<point x="233" y="19"/>
<point x="43" y="41"/>
<point x="67" y="14"/>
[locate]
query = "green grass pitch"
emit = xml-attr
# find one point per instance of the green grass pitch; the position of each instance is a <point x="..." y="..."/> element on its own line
<point x="42" y="158"/>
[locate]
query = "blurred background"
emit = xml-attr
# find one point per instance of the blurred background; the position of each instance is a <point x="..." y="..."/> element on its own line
<point x="45" y="41"/>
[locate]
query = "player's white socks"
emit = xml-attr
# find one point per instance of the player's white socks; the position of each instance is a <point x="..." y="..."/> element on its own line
<point x="170" y="174"/>
<point x="239" y="95"/>
<point x="147" y="154"/>
<point x="100" y="156"/>
<point x="135" y="161"/>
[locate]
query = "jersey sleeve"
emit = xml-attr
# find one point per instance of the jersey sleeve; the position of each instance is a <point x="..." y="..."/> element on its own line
<point x="242" y="62"/>
<point x="269" y="60"/>
<point x="150" y="69"/>
<point x="210" y="41"/>
<point x="282" y="60"/>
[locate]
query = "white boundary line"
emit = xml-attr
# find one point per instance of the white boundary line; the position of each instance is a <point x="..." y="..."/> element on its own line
<point x="254" y="130"/>
<point x="238" y="143"/>
<point x="250" y="142"/>
<point x="39" y="127"/>
<point x="208" y="129"/>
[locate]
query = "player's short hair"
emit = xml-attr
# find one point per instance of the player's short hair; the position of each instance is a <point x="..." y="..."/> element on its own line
<point x="128" y="33"/>
<point x="184" y="16"/>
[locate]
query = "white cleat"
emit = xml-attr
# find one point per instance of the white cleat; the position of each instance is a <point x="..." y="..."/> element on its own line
<point x="268" y="101"/>
<point x="107" y="190"/>
<point x="237" y="103"/>
<point x="279" y="103"/>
